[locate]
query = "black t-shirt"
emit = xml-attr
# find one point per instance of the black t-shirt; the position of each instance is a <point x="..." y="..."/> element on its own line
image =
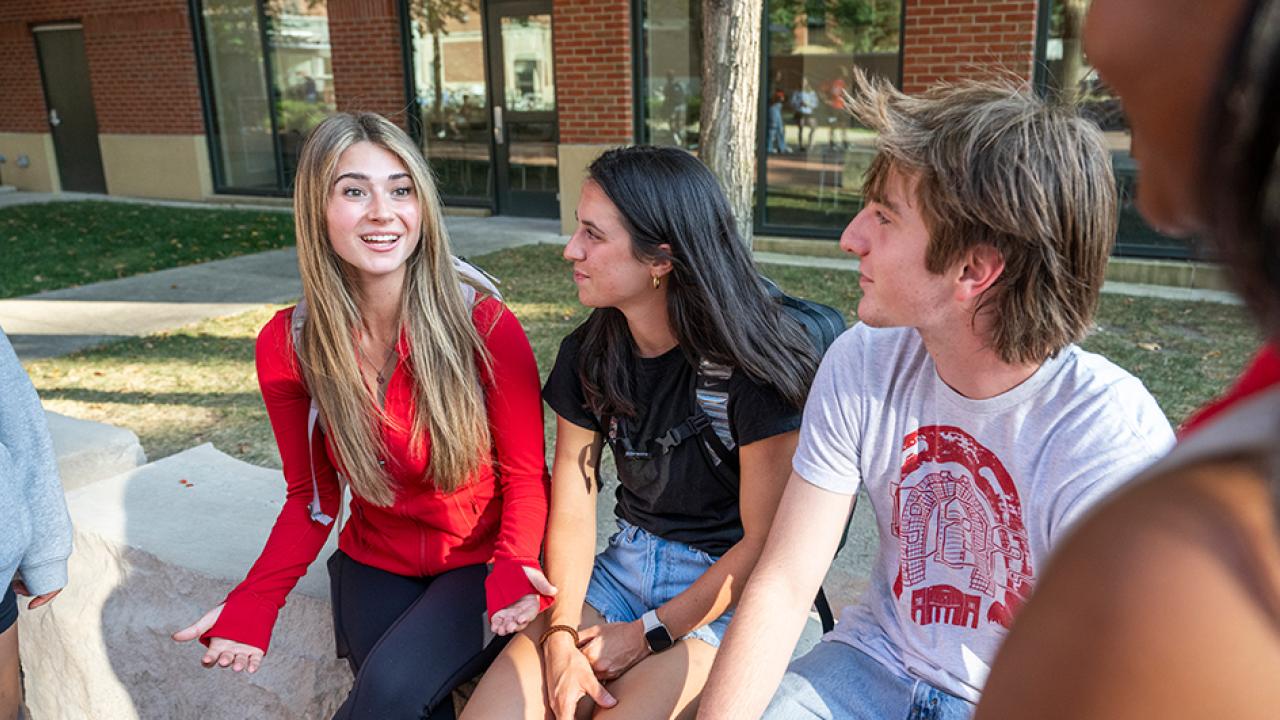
<point x="676" y="495"/>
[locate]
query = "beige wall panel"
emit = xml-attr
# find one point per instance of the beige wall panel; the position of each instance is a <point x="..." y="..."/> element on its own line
<point x="42" y="174"/>
<point x="574" y="160"/>
<point x="174" y="167"/>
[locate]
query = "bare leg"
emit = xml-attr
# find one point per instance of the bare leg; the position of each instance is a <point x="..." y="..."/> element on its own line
<point x="662" y="686"/>
<point x="514" y="686"/>
<point x="10" y="685"/>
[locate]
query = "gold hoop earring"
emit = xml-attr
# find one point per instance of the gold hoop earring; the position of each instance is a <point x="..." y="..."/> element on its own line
<point x="657" y="282"/>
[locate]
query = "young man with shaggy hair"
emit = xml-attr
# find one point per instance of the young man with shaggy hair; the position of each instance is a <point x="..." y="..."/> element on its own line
<point x="980" y="431"/>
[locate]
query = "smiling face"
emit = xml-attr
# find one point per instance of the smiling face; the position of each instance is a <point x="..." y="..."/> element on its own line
<point x="373" y="214"/>
<point x="605" y="268"/>
<point x="1162" y="57"/>
<point x="890" y="238"/>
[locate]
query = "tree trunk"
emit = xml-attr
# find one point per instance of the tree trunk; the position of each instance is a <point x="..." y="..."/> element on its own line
<point x="1073" y="65"/>
<point x="437" y="78"/>
<point x="730" y="100"/>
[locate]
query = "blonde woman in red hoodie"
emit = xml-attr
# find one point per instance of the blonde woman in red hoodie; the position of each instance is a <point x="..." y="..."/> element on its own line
<point x="420" y="392"/>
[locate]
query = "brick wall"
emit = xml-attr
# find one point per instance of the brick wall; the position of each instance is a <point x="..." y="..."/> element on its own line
<point x="593" y="70"/>
<point x="142" y="68"/>
<point x="368" y="67"/>
<point x="22" y="109"/>
<point x="959" y="39"/>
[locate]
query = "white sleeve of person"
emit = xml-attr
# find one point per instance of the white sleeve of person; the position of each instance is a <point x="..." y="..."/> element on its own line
<point x="829" y="453"/>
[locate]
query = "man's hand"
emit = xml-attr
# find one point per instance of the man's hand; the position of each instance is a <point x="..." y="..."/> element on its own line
<point x="614" y="647"/>
<point x="570" y="678"/>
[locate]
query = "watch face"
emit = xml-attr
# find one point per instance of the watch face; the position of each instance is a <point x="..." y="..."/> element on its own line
<point x="659" y="638"/>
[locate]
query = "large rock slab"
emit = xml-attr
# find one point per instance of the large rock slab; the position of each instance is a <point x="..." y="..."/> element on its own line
<point x="90" y="451"/>
<point x="155" y="548"/>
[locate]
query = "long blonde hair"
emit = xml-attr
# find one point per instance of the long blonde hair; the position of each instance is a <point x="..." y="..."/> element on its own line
<point x="446" y="353"/>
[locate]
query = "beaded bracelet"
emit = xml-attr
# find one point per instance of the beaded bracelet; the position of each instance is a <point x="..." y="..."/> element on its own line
<point x="555" y="629"/>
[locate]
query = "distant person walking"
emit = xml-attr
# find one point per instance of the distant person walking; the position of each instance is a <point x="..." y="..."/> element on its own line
<point x="675" y="105"/>
<point x="804" y="102"/>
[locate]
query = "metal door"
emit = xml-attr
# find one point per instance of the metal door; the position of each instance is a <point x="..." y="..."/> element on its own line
<point x="65" y="72"/>
<point x="525" y="127"/>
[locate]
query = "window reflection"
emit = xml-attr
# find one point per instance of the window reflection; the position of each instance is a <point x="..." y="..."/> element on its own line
<point x="448" y="67"/>
<point x="673" y="72"/>
<point x="298" y="37"/>
<point x="815" y="155"/>
<point x="296" y="54"/>
<point x="529" y="73"/>
<point x="241" y="113"/>
<point x="1069" y="76"/>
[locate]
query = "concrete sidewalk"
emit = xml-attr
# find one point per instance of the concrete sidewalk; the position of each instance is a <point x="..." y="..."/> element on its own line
<point x="58" y="322"/>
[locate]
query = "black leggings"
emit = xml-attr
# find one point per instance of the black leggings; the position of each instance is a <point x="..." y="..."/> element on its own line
<point x="410" y="641"/>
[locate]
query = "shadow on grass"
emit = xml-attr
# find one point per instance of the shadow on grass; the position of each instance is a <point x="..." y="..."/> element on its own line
<point x="203" y="399"/>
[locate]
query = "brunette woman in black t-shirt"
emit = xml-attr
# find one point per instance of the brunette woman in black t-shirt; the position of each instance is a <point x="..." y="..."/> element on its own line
<point x="657" y="254"/>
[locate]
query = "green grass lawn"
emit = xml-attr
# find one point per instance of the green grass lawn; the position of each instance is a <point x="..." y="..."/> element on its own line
<point x="197" y="384"/>
<point x="73" y="243"/>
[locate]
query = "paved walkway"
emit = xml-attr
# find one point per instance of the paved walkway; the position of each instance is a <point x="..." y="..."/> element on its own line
<point x="58" y="322"/>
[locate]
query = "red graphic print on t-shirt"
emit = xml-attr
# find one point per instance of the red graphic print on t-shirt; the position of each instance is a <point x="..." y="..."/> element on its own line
<point x="957" y="517"/>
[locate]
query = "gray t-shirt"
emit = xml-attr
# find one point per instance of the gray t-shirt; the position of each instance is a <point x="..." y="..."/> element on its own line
<point x="969" y="495"/>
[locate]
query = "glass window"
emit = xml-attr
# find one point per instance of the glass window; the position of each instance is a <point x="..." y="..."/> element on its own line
<point x="814" y="154"/>
<point x="298" y="39"/>
<point x="448" y="73"/>
<point x="671" y="82"/>
<point x="258" y="127"/>
<point x="529" y="98"/>
<point x="238" y="86"/>
<point x="1067" y="72"/>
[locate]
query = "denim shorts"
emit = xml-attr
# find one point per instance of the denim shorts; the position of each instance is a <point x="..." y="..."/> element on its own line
<point x="640" y="571"/>
<point x="837" y="680"/>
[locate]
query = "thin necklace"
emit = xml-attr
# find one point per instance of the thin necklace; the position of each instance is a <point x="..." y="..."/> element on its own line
<point x="380" y="372"/>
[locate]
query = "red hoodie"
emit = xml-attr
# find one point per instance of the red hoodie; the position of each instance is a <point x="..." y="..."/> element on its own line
<point x="494" y="517"/>
<point x="1259" y="375"/>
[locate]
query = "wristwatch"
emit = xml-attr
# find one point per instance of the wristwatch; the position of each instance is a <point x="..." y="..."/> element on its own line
<point x="655" y="633"/>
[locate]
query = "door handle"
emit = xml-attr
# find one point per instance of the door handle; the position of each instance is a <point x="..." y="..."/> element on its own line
<point x="499" y="133"/>
<point x="54" y="120"/>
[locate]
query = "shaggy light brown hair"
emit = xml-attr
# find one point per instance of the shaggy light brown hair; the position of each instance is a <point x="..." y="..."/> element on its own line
<point x="995" y="165"/>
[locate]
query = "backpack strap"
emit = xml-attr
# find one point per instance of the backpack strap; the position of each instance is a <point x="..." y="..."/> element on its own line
<point x="313" y="419"/>
<point x="473" y="281"/>
<point x="474" y="278"/>
<point x="712" y="394"/>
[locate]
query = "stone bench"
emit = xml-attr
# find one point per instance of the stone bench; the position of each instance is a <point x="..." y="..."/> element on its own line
<point x="156" y="547"/>
<point x="90" y="451"/>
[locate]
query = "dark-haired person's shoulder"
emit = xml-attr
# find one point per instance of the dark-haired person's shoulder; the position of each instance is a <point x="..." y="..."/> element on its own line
<point x="759" y="411"/>
<point x="1165" y="602"/>
<point x="563" y="388"/>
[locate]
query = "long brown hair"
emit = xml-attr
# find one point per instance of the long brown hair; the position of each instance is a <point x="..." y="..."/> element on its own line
<point x="446" y="353"/>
